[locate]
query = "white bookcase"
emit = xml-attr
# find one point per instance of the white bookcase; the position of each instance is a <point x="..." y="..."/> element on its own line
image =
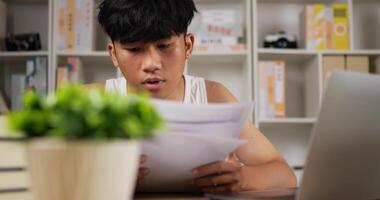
<point x="237" y="70"/>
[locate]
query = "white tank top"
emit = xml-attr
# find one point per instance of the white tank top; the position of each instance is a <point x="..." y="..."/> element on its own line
<point x="195" y="89"/>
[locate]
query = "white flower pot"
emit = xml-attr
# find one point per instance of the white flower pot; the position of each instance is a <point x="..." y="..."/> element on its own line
<point x="69" y="170"/>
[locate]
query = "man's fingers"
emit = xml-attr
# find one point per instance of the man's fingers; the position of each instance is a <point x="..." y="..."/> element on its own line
<point x="212" y="181"/>
<point x="215" y="168"/>
<point x="143" y="158"/>
<point x="142" y="173"/>
<point x="232" y="188"/>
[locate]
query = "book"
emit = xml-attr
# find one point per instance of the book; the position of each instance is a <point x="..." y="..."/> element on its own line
<point x="74" y="69"/>
<point x="70" y="73"/>
<point x="327" y="26"/>
<point x="61" y="11"/>
<point x="3" y="105"/>
<point x="84" y="25"/>
<point x="17" y="90"/>
<point x="36" y="75"/>
<point x="61" y="76"/>
<point x="218" y="25"/>
<point x="75" y="25"/>
<point x="271" y="89"/>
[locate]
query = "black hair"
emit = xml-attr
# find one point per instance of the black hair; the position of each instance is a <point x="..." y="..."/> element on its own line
<point x="128" y="21"/>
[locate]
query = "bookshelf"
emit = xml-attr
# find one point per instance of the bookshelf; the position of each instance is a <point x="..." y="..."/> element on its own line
<point x="238" y="70"/>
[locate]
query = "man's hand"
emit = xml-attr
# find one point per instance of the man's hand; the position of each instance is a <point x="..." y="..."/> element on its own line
<point x="142" y="171"/>
<point x="219" y="177"/>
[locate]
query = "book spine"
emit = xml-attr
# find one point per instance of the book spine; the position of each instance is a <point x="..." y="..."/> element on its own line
<point x="320" y="26"/>
<point x="30" y="74"/>
<point x="62" y="76"/>
<point x="17" y="90"/>
<point x="62" y="23"/>
<point x="309" y="27"/>
<point x="270" y="90"/>
<point x="279" y="76"/>
<point x="84" y="29"/>
<point x="263" y="90"/>
<point x="71" y="23"/>
<point x="41" y="75"/>
<point x="3" y="105"/>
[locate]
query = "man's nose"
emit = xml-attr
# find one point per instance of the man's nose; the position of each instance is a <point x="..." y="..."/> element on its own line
<point x="152" y="61"/>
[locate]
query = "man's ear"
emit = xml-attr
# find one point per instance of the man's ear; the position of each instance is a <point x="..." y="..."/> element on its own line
<point x="189" y="44"/>
<point x="112" y="52"/>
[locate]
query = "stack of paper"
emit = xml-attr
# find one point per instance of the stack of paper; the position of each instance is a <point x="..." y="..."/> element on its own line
<point x="195" y="135"/>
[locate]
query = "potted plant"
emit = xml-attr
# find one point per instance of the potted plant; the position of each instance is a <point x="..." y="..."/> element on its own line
<point x="82" y="144"/>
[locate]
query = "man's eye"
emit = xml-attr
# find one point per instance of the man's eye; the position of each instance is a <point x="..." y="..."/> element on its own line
<point x="134" y="50"/>
<point x="163" y="46"/>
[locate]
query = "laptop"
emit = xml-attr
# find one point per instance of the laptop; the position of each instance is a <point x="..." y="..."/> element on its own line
<point x="343" y="160"/>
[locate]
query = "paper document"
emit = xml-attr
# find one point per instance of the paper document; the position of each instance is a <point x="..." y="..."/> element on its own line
<point x="195" y="135"/>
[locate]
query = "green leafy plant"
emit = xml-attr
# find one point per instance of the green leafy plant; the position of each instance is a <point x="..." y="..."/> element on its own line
<point x="74" y="112"/>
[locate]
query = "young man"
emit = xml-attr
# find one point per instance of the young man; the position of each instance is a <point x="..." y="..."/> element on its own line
<point x="150" y="45"/>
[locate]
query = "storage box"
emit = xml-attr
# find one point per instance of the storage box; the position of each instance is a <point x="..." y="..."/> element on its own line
<point x="357" y="63"/>
<point x="331" y="63"/>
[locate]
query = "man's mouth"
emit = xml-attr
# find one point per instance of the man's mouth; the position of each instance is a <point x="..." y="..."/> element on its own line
<point x="153" y="84"/>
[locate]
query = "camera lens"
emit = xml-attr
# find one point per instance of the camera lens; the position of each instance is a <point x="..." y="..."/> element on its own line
<point x="282" y="43"/>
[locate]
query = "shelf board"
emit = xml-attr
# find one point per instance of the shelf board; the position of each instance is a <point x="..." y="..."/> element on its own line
<point x="288" y="55"/>
<point x="287" y="51"/>
<point x="288" y="121"/>
<point x="15" y="54"/>
<point x="26" y="1"/>
<point x="352" y="52"/>
<point x="219" y="57"/>
<point x="83" y="53"/>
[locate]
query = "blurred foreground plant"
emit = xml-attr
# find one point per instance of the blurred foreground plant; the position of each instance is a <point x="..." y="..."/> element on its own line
<point x="74" y="112"/>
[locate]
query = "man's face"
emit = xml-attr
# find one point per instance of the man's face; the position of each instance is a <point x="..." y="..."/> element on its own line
<point x="156" y="67"/>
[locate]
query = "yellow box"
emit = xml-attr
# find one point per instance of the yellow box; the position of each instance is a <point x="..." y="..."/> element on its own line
<point x="341" y="26"/>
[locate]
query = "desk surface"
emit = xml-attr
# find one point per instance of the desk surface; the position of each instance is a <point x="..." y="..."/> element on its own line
<point x="283" y="194"/>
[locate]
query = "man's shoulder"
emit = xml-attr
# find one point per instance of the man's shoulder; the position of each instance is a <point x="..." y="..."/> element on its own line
<point x="218" y="93"/>
<point x="100" y="85"/>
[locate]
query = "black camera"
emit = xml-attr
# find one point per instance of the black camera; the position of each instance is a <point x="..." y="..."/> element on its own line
<point x="23" y="42"/>
<point x="280" y="40"/>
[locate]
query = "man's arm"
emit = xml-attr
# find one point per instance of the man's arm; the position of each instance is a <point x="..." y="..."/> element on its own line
<point x="254" y="166"/>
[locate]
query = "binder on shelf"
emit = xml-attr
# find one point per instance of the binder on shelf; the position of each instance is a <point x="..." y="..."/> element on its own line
<point x="17" y="90"/>
<point x="272" y="89"/>
<point x="357" y="63"/>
